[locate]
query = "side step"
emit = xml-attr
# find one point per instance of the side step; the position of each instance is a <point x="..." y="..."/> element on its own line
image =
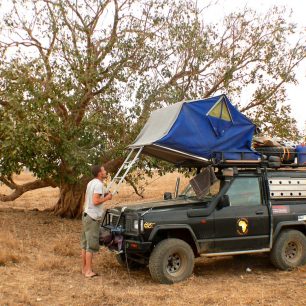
<point x="235" y="253"/>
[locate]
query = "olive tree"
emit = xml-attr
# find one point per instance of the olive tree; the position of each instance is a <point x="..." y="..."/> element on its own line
<point x="79" y="79"/>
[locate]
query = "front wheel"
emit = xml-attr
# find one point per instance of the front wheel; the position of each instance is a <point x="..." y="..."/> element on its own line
<point x="171" y="261"/>
<point x="289" y="250"/>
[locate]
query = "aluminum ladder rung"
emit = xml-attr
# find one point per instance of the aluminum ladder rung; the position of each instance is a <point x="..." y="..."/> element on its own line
<point x="123" y="171"/>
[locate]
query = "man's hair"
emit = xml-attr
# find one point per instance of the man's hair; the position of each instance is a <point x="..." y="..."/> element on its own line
<point x="95" y="169"/>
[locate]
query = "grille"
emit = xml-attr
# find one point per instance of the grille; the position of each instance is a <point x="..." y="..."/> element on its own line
<point x="128" y="224"/>
<point x="113" y="220"/>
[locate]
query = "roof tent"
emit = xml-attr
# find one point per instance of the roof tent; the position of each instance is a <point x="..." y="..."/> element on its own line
<point x="189" y="133"/>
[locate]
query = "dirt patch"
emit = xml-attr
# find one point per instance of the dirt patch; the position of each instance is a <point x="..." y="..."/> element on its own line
<point x="41" y="266"/>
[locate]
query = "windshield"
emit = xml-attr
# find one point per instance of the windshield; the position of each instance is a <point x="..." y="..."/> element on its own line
<point x="212" y="192"/>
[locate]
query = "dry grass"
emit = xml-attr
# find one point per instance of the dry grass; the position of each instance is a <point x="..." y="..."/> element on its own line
<point x="7" y="257"/>
<point x="154" y="189"/>
<point x="46" y="197"/>
<point x="64" y="247"/>
<point x="47" y="266"/>
<point x="49" y="263"/>
<point x="10" y="249"/>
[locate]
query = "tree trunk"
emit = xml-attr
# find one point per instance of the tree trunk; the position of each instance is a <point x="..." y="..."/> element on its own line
<point x="71" y="200"/>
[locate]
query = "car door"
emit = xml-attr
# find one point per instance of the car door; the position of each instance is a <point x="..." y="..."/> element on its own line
<point x="244" y="224"/>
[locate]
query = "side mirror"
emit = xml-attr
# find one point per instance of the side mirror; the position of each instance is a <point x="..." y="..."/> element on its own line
<point x="167" y="196"/>
<point x="224" y="201"/>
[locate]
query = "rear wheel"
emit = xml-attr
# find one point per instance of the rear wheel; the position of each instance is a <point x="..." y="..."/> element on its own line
<point x="171" y="261"/>
<point x="289" y="250"/>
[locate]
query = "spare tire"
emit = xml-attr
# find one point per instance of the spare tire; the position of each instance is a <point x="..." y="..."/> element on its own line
<point x="286" y="154"/>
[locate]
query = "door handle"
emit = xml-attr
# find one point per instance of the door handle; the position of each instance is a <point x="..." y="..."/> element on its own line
<point x="259" y="212"/>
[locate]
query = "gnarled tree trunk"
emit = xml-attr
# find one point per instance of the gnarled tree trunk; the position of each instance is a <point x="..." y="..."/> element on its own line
<point x="71" y="200"/>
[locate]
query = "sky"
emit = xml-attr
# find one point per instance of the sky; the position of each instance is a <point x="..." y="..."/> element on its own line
<point x="295" y="92"/>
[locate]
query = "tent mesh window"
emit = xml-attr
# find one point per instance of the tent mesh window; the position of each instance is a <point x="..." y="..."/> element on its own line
<point x="220" y="117"/>
<point x="220" y="110"/>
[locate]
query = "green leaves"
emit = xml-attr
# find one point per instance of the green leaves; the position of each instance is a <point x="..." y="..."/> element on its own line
<point x="78" y="80"/>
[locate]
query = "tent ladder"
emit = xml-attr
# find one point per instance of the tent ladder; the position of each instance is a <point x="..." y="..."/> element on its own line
<point x="130" y="160"/>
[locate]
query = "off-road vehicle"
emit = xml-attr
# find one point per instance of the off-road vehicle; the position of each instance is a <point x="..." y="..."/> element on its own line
<point x="247" y="210"/>
<point x="240" y="201"/>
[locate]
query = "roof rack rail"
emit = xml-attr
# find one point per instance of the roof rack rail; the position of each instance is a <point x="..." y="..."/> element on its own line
<point x="237" y="159"/>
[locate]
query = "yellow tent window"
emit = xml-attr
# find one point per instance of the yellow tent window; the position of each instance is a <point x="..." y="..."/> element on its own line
<point x="220" y="111"/>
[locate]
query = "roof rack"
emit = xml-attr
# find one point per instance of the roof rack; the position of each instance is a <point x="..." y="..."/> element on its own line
<point x="262" y="161"/>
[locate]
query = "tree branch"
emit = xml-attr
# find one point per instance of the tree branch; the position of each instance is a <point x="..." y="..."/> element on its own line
<point x="139" y="193"/>
<point x="21" y="189"/>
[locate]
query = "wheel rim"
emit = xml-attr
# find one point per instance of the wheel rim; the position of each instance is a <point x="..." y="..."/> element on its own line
<point x="174" y="263"/>
<point x="292" y="251"/>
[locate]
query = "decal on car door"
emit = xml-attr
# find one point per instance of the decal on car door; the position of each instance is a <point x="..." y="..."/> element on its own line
<point x="242" y="226"/>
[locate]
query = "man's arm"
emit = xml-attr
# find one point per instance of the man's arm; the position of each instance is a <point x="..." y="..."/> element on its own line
<point x="98" y="200"/>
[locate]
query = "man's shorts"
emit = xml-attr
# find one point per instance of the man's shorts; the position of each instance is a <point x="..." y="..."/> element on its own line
<point x="90" y="234"/>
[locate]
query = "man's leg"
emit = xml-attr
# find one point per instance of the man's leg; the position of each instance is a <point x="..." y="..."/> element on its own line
<point x="91" y="233"/>
<point x="83" y="261"/>
<point x="88" y="265"/>
<point x="83" y="245"/>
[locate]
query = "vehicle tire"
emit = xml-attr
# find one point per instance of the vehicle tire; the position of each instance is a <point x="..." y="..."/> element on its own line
<point x="287" y="155"/>
<point x="132" y="265"/>
<point x="289" y="250"/>
<point x="171" y="261"/>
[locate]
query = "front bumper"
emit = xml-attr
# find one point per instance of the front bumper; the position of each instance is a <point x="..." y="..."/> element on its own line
<point x="124" y="236"/>
<point x="114" y="239"/>
<point x="133" y="246"/>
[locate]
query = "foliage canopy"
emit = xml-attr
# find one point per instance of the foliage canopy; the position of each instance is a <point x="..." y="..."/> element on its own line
<point x="78" y="79"/>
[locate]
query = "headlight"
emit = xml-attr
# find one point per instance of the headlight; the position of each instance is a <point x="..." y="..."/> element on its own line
<point x="136" y="224"/>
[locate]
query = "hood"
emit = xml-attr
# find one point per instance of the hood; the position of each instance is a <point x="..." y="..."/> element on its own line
<point x="164" y="204"/>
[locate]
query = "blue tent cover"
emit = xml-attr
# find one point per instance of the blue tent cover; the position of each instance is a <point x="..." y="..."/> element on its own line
<point x="196" y="131"/>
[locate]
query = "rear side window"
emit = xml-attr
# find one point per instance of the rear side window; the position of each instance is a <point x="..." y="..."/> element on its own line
<point x="245" y="192"/>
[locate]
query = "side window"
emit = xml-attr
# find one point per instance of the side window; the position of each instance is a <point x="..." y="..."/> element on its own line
<point x="245" y="192"/>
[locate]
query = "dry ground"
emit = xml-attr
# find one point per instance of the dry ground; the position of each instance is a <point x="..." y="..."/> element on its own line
<point x="40" y="265"/>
